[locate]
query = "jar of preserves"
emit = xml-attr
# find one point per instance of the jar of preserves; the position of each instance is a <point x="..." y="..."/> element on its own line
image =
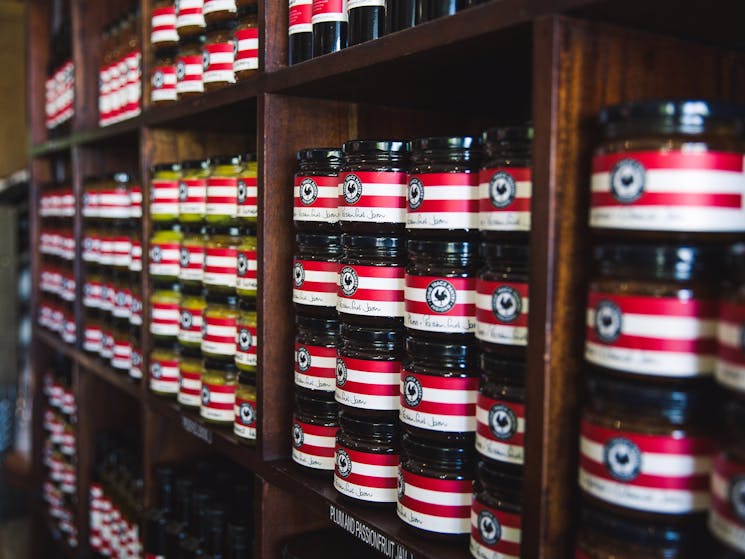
<point x="218" y="55"/>
<point x="366" y="458"/>
<point x="245" y="421"/>
<point x="329" y="20"/>
<point x="191" y="256"/>
<point x="669" y="170"/>
<point x="92" y="331"/>
<point x="219" y="382"/>
<point x="163" y="25"/>
<point x="163" y="80"/>
<point x="427" y="10"/>
<point x="443" y="187"/>
<point x="366" y="20"/>
<point x="121" y="247"/>
<point x="300" y="31"/>
<point x="247" y="339"/>
<point x="189" y="68"/>
<point x="164" y="370"/>
<point x="113" y="196"/>
<point x="730" y="368"/>
<point x="164" y="192"/>
<point x="247" y="209"/>
<point x="496" y="513"/>
<point x="652" y="310"/>
<point x="190" y="382"/>
<point x="222" y="190"/>
<point x="190" y="18"/>
<point x="316" y="340"/>
<point x="221" y="260"/>
<point x="121" y="358"/>
<point x="219" y="10"/>
<point x="246" y="43"/>
<point x="246" y="281"/>
<point x="165" y="257"/>
<point x="193" y="190"/>
<point x="164" y="312"/>
<point x="317" y="190"/>
<point x="368" y="369"/>
<point x="191" y="311"/>
<point x="220" y="328"/>
<point x="315" y="415"/>
<point x="135" y="251"/>
<point x="316" y="274"/>
<point x="135" y="302"/>
<point x="107" y="333"/>
<point x="639" y="441"/>
<point x="506" y="186"/>
<point x="399" y="15"/>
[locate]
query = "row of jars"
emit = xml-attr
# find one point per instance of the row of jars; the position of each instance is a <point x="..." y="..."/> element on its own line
<point x="59" y="95"/>
<point x="57" y="241"/>
<point x="445" y="186"/>
<point x="57" y="201"/>
<point x="58" y="281"/>
<point x="117" y="196"/>
<point x="58" y="316"/>
<point x="187" y="18"/>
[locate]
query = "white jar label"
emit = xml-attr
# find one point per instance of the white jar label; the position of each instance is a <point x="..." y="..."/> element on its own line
<point x="164" y="197"/>
<point x="246" y="49"/>
<point x="219" y="6"/>
<point x="218" y="402"/>
<point x="246" y="346"/>
<point x="371" y="290"/>
<point x="192" y="196"/>
<point x="164" y="319"/>
<point x="222" y="196"/>
<point x="220" y="266"/>
<point x="727" y="514"/>
<point x="329" y="10"/>
<point x="443" y="201"/>
<point x="435" y="505"/>
<point x="315" y="367"/>
<point x="445" y="404"/>
<point x="190" y="389"/>
<point x="730" y="369"/>
<point x="502" y="312"/>
<point x="366" y="476"/>
<point x="244" y="422"/>
<point x="372" y="197"/>
<point x="190" y="13"/>
<point x="247" y="270"/>
<point x="313" y="445"/>
<point x="247" y="197"/>
<point x="189" y="74"/>
<point x="217" y="62"/>
<point x="300" y="15"/>
<point x="165" y="259"/>
<point x="316" y="199"/>
<point x="500" y="429"/>
<point x="368" y="384"/>
<point x="315" y="283"/>
<point x="495" y="534"/>
<point x="504" y="199"/>
<point x="190" y="329"/>
<point x="191" y="259"/>
<point x="218" y="336"/>
<point x="164" y="376"/>
<point x="163" y="81"/>
<point x="436" y="304"/>
<point x="164" y="25"/>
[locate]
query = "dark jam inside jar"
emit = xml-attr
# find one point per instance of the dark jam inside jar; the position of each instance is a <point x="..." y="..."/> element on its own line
<point x="317" y="190"/>
<point x="329" y="21"/>
<point x="316" y="341"/>
<point x="300" y="30"/>
<point x="366" y="20"/>
<point x="399" y="14"/>
<point x="315" y="274"/>
<point x="315" y="414"/>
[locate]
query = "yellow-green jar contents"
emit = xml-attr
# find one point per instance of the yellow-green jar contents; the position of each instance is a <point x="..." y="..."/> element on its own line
<point x="164" y="192"/>
<point x="221" y="260"/>
<point x="192" y="256"/>
<point x="193" y="190"/>
<point x="247" y="209"/>
<point x="222" y="190"/>
<point x="164" y="313"/>
<point x="191" y="319"/>
<point x="247" y="338"/>
<point x="164" y="371"/>
<point x="219" y="382"/>
<point x="246" y="277"/>
<point x="190" y="382"/>
<point x="220" y="328"/>
<point x="244" y="424"/>
<point x="165" y="255"/>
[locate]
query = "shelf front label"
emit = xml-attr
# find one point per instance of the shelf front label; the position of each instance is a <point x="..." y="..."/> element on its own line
<point x="368" y="535"/>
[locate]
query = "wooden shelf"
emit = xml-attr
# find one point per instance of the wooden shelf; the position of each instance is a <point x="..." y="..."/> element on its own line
<point x="55" y="342"/>
<point x="99" y="368"/>
<point x="18" y="470"/>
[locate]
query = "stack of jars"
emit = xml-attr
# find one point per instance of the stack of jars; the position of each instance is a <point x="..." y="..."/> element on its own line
<point x="203" y="265"/>
<point x="201" y="45"/>
<point x="59" y="98"/>
<point x="112" y="262"/>
<point x="666" y="200"/>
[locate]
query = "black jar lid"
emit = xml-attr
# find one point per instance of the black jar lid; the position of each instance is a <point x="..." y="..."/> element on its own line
<point x="192" y="290"/>
<point x="371" y="242"/>
<point x="166" y="345"/>
<point x="493" y="364"/>
<point x="226" y="160"/>
<point x="509" y="134"/>
<point x="166" y="285"/>
<point x="491" y="474"/>
<point x="198" y="164"/>
<point x="735" y="262"/>
<point x="160" y="167"/>
<point x="226" y="366"/>
<point x="225" y="25"/>
<point x="372" y="335"/>
<point x="330" y="242"/>
<point x="247" y="10"/>
<point x="121" y="177"/>
<point x="673" y="262"/>
<point x="507" y="252"/>
<point x="418" y="347"/>
<point x="230" y="230"/>
<point x="384" y="426"/>
<point x="197" y="39"/>
<point x="454" y="453"/>
<point x="316" y="324"/>
<point x="249" y="156"/>
<point x="247" y="305"/>
<point x="222" y="299"/>
<point x="446" y="143"/>
<point x="167" y="53"/>
<point x="355" y="147"/>
<point x="316" y="402"/>
<point x="447" y="249"/>
<point x="189" y="352"/>
<point x="247" y="378"/>
<point x="325" y="156"/>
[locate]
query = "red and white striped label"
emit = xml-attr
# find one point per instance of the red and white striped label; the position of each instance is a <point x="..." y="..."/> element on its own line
<point x="219" y="6"/>
<point x="163" y="81"/>
<point x="248" y="192"/>
<point x="313" y="445"/>
<point x="164" y="25"/>
<point x="220" y="266"/>
<point x="135" y="201"/>
<point x="107" y="343"/>
<point x="443" y="201"/>
<point x="218" y="402"/>
<point x="122" y="302"/>
<point x="504" y="199"/>
<point x="135" y="370"/>
<point x="190" y="328"/>
<point x="315" y="367"/>
<point x="247" y="267"/>
<point x="436" y="304"/>
<point x="218" y="336"/>
<point x="434" y="505"/>
<point x="191" y="260"/>
<point x="135" y="255"/>
<point x="244" y="422"/>
<point x="329" y="10"/>
<point x="372" y="197"/>
<point x="192" y="196"/>
<point x="675" y="190"/>
<point x="316" y="198"/>
<point x="164" y="319"/>
<point x="663" y="336"/>
<point x="107" y="297"/>
<point x="164" y="197"/>
<point x="666" y="474"/>
<point x="113" y="204"/>
<point x="301" y="12"/>
<point x="730" y="368"/>
<point x="121" y="250"/>
<point x="190" y="14"/>
<point x="367" y="383"/>
<point x="135" y="309"/>
<point x="165" y="259"/>
<point x="495" y="534"/>
<point x="222" y="196"/>
<point x="164" y="376"/>
<point x="189" y="75"/>
<point x="247" y="346"/>
<point x="371" y="290"/>
<point x="315" y="283"/>
<point x="190" y="389"/>
<point x="439" y="403"/>
<point x="106" y="251"/>
<point x="69" y="331"/>
<point x="122" y="358"/>
<point x="247" y="49"/>
<point x="500" y="429"/>
<point x="502" y="312"/>
<point x="217" y="62"/>
<point x="92" y="338"/>
<point x="727" y="514"/>
<point x="366" y="476"/>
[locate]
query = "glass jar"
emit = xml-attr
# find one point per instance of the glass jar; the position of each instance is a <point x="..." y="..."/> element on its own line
<point x="135" y="369"/>
<point x="399" y="15"/>
<point x="190" y="382"/>
<point x="135" y="250"/>
<point x="639" y="442"/>
<point x="113" y="196"/>
<point x="443" y="187"/>
<point x="163" y="79"/>
<point x="107" y="335"/>
<point x="121" y="247"/>
<point x="163" y="25"/>
<point x="219" y="10"/>
<point x="316" y="340"/>
<point x="500" y="411"/>
<point x="427" y="10"/>
<point x="316" y="274"/>
<point x="135" y="198"/>
<point x="730" y="367"/>
<point x="669" y="170"/>
<point x="191" y="256"/>
<point x="652" y="310"/>
<point x="164" y="312"/>
<point x="219" y="382"/>
<point x="121" y="358"/>
<point x="246" y="281"/>
<point x="92" y="332"/>
<point x="247" y="339"/>
<point x="372" y="184"/>
<point x="247" y="210"/>
<point x="189" y="68"/>
<point x="316" y="207"/>
<point x="246" y="40"/>
<point x="315" y="415"/>
<point x="164" y="192"/>
<point x="221" y="260"/>
<point x="441" y="288"/>
<point x="193" y="190"/>
<point x="135" y="301"/>
<point x="368" y="369"/>
<point x="329" y="22"/>
<point x="300" y="31"/>
<point x="431" y="473"/>
<point x="165" y="254"/>
<point x="222" y="190"/>
<point x="496" y="513"/>
<point x="245" y="421"/>
<point x="506" y="186"/>
<point x="366" y="20"/>
<point x="122" y="296"/>
<point x="191" y="311"/>
<point x="218" y="55"/>
<point x="366" y="458"/>
<point x="164" y="370"/>
<point x="190" y="18"/>
<point x="220" y="328"/>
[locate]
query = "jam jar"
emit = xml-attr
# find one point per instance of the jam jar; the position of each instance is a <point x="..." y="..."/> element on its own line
<point x="135" y="369"/>
<point x="247" y="338"/>
<point x="219" y="10"/>
<point x="135" y="251"/>
<point x="191" y="256"/>
<point x="652" y="310"/>
<point x="316" y="207"/>
<point x="730" y="368"/>
<point x="496" y="513"/>
<point x="440" y="294"/>
<point x="246" y="281"/>
<point x="163" y="79"/>
<point x="502" y="298"/>
<point x="500" y="411"/>
<point x="222" y="190"/>
<point x="316" y="342"/>
<point x="505" y="182"/>
<point x="300" y="31"/>
<point x="219" y="382"/>
<point x="190" y="382"/>
<point x="165" y="257"/>
<point x="163" y="24"/>
<point x="92" y="331"/>
<point x="220" y="327"/>
<point x="646" y="450"/>
<point x="247" y="210"/>
<point x="366" y="20"/>
<point x="246" y="40"/>
<point x="443" y="187"/>
<point x="314" y="428"/>
<point x="433" y="474"/>
<point x="164" y="312"/>
<point x="315" y="273"/>
<point x="329" y="20"/>
<point x="135" y="198"/>
<point x="245" y="421"/>
<point x="439" y="389"/>
<point x="373" y="186"/>
<point x="164" y="370"/>
<point x="221" y="260"/>
<point x="368" y="369"/>
<point x="371" y="280"/>
<point x="192" y="192"/>
<point x="669" y="170"/>
<point x="218" y="55"/>
<point x="191" y="312"/>
<point x="366" y="458"/>
<point x="189" y="69"/>
<point x="164" y="188"/>
<point x="190" y="18"/>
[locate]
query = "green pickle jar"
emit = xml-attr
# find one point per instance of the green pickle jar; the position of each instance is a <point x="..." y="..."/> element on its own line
<point x="164" y="370"/>
<point x="221" y="260"/>
<point x="220" y="328"/>
<point x="244" y="425"/>
<point x="165" y="254"/>
<point x="247" y="209"/>
<point x="164" y="192"/>
<point x="246" y="280"/>
<point x="192" y="193"/>
<point x="247" y="339"/>
<point x="164" y="312"/>
<point x="219" y="383"/>
<point x="191" y="313"/>
<point x="221" y="207"/>
<point x="190" y="382"/>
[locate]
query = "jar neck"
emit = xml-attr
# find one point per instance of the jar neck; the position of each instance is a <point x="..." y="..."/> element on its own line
<point x="314" y="168"/>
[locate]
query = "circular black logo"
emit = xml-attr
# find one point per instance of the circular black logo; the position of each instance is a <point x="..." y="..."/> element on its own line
<point x="183" y="191"/>
<point x="247" y="413"/>
<point x="242" y="264"/>
<point x="184" y="257"/>
<point x="349" y="280"/>
<point x="506" y="304"/>
<point x="298" y="273"/>
<point x="303" y="359"/>
<point x="415" y="194"/>
<point x="608" y="320"/>
<point x="297" y="435"/>
<point x="245" y="339"/>
<point x="205" y="59"/>
<point x="308" y="191"/>
<point x="489" y="527"/>
<point x="440" y="296"/>
<point x="352" y="188"/>
<point x="343" y="463"/>
<point x="205" y="396"/>
<point x="622" y="458"/>
<point x="341" y="372"/>
<point x="186" y="320"/>
<point x="627" y="181"/>
<point x="737" y="496"/>
<point x="155" y="369"/>
<point x="156" y="254"/>
<point x="180" y="70"/>
<point x="502" y="422"/>
<point x="242" y="191"/>
<point x="502" y="189"/>
<point x="158" y="79"/>
<point x="412" y="391"/>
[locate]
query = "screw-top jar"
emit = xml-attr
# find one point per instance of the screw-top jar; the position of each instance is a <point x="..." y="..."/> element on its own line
<point x="366" y="20"/>
<point x="164" y="370"/>
<point x="669" y="169"/>
<point x="219" y="10"/>
<point x="730" y="368"/>
<point x="220" y="260"/>
<point x="190" y="382"/>
<point x="247" y="210"/>
<point x="316" y="341"/>
<point x="163" y="24"/>
<point x="191" y="256"/>
<point x="164" y="312"/>
<point x="317" y="190"/>
<point x="163" y="79"/>
<point x="220" y="327"/>
<point x="219" y="382"/>
<point x="191" y="311"/>
<point x="164" y="189"/>
<point x="399" y="15"/>
<point x="190" y="18"/>
<point x="652" y="310"/>
<point x="315" y="274"/>
<point x="193" y="190"/>
<point x="300" y="31"/>
<point x="189" y="66"/>
<point x="245" y="421"/>
<point x="165" y="257"/>
<point x="246" y="42"/>
<point x="218" y="55"/>
<point x="329" y="21"/>
<point x="314" y="427"/>
<point x="247" y="281"/>
<point x="247" y="337"/>
<point x="373" y="186"/>
<point x="222" y="190"/>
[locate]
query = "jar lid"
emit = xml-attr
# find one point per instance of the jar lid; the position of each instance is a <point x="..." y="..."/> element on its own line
<point x="429" y="349"/>
<point x="492" y="474"/>
<point x="735" y="262"/>
<point x="225" y="25"/>
<point x="219" y="365"/>
<point x="464" y="249"/>
<point x="197" y="39"/>
<point x="251" y="9"/>
<point x="371" y="335"/>
<point x="683" y="115"/>
<point x="121" y="177"/>
<point x="454" y="452"/>
<point x="371" y="242"/>
<point x="400" y="147"/>
<point x="502" y="251"/>
<point x="193" y="228"/>
<point x="247" y="377"/>
<point x="194" y="290"/>
<point x="246" y="305"/>
<point x="330" y="242"/>
<point x="249" y="156"/>
<point x="160" y="167"/>
<point x="219" y="160"/>
<point x="509" y="134"/>
<point x="230" y="300"/>
<point x="676" y="262"/>
<point x="169" y="53"/>
<point x="327" y="156"/>
<point x="316" y="401"/>
<point x="231" y="231"/>
<point x="199" y="164"/>
<point x="166" y="285"/>
<point x="166" y="345"/>
<point x="494" y="364"/>
<point x="317" y="324"/>
<point x="446" y="142"/>
<point x="379" y="426"/>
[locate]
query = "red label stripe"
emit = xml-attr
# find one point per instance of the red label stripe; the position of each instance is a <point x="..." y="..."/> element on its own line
<point x="386" y="272"/>
<point x="318" y="430"/>
<point x="319" y="266"/>
<point x="320" y="202"/>
<point x="223" y="181"/>
<point x="518" y="439"/>
<point x="713" y="161"/>
<point x="215" y="321"/>
<point x="456" y="410"/>
<point x="371" y="366"/>
<point x="379" y="202"/>
<point x="665" y="306"/>
<point x="322" y="451"/>
<point x="371" y="481"/>
<point x="320" y="287"/>
<point x="650" y="443"/>
<point x="693" y="199"/>
<point x="431" y="509"/>
<point x="220" y="388"/>
<point x="447" y="179"/>
<point x="370" y="458"/>
<point x="388" y="295"/>
<point x="319" y="180"/>
<point x="693" y="483"/>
